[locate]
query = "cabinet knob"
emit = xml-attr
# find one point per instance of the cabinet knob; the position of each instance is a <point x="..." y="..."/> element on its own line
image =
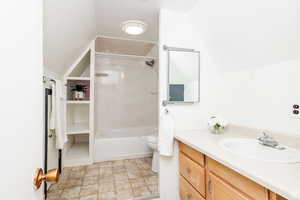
<point x="188" y="197"/>
<point x="188" y="170"/>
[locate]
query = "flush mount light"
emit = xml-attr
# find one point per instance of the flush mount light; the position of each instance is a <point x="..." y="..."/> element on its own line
<point x="134" y="27"/>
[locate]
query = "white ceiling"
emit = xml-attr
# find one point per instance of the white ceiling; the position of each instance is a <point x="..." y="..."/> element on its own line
<point x="111" y="13"/>
<point x="69" y="27"/>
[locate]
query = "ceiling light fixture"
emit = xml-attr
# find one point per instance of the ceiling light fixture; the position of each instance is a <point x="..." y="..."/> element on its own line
<point x="134" y="27"/>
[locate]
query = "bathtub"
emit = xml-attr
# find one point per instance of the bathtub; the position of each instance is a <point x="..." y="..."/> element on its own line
<point x="118" y="144"/>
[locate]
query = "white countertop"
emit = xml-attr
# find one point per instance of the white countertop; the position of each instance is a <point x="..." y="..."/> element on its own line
<point x="283" y="179"/>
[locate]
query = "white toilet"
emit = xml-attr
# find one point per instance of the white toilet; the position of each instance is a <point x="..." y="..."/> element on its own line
<point x="153" y="144"/>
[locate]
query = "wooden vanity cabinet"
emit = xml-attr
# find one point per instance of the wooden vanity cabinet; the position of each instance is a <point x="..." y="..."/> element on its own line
<point x="204" y="178"/>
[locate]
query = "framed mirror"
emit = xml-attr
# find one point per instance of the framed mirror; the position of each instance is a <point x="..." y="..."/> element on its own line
<point x="183" y="75"/>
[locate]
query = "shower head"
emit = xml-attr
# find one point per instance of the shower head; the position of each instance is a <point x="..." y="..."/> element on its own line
<point x="150" y="63"/>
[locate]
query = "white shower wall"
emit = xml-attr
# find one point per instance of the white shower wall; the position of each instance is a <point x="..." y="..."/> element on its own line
<point x="126" y="102"/>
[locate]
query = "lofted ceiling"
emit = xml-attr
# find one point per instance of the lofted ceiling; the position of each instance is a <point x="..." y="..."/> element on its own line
<point x="111" y="13"/>
<point x="70" y="26"/>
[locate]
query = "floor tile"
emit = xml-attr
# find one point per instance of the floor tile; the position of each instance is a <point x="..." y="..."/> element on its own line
<point x="146" y="173"/>
<point x="120" y="176"/>
<point x="71" y="192"/>
<point x="54" y="194"/>
<point x="91" y="197"/>
<point x="90" y="180"/>
<point x="153" y="189"/>
<point x="141" y="192"/>
<point x="92" y="172"/>
<point x="107" y="187"/>
<point x="79" y="168"/>
<point x="122" y="185"/>
<point x="88" y="190"/>
<point x="136" y="183"/>
<point x="134" y="174"/>
<point x="104" y="172"/>
<point x="151" y="180"/>
<point x="106" y="163"/>
<point x="119" y="169"/>
<point x="124" y="194"/>
<point x="117" y="163"/>
<point x="109" y="180"/>
<point x="77" y="174"/>
<point x="107" y="196"/>
<point x="93" y="166"/>
<point x="105" y="179"/>
<point x="73" y="183"/>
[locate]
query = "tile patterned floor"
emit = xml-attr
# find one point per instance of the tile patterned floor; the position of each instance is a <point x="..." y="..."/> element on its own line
<point x="111" y="180"/>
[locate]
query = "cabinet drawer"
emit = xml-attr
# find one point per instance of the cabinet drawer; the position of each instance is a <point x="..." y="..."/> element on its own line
<point x="187" y="192"/>
<point x="192" y="153"/>
<point x="252" y="189"/>
<point x="274" y="196"/>
<point x="220" y="190"/>
<point x="192" y="172"/>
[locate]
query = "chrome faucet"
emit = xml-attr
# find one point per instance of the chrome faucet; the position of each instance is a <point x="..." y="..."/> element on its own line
<point x="269" y="141"/>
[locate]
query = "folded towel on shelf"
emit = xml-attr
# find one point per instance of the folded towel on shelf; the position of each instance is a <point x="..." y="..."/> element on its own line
<point x="166" y="135"/>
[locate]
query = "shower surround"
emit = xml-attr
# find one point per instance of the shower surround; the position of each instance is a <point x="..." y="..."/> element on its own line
<point x="126" y="106"/>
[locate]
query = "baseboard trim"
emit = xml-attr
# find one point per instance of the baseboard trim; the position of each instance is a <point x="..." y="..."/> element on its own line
<point x="124" y="157"/>
<point x="147" y="198"/>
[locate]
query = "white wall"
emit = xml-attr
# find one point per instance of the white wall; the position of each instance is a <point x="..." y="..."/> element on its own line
<point x="69" y="27"/>
<point x="175" y="30"/>
<point x="250" y="52"/>
<point x="250" y="57"/>
<point x="21" y="138"/>
<point x="50" y="74"/>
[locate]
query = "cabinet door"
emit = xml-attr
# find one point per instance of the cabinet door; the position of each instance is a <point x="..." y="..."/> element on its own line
<point x="192" y="172"/>
<point x="187" y="192"/>
<point x="217" y="189"/>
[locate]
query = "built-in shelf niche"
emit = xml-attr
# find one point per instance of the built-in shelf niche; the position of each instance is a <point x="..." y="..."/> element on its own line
<point x="78" y="119"/>
<point x="71" y="84"/>
<point x="79" y="148"/>
<point x="80" y="113"/>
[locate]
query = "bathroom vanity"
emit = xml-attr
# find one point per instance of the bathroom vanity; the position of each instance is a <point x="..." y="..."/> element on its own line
<point x="208" y="172"/>
<point x="204" y="178"/>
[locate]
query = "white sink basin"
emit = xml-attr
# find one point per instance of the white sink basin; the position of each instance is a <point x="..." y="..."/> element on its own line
<point x="252" y="149"/>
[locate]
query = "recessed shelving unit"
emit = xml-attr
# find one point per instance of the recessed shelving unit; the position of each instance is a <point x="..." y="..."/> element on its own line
<point x="79" y="81"/>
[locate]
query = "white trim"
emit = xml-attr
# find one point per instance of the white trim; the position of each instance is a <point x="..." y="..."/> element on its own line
<point x="120" y="38"/>
<point x="78" y="78"/>
<point x="92" y="107"/>
<point x="125" y="55"/>
<point x="124" y="157"/>
<point x="78" y="102"/>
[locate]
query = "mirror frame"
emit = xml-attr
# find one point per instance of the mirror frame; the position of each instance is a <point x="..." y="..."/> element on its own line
<point x="176" y="49"/>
